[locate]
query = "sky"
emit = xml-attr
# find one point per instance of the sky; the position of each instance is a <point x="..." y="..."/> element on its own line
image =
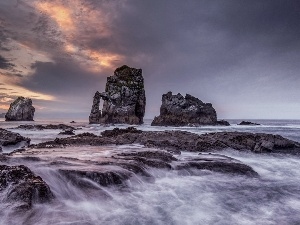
<point x="242" y="56"/>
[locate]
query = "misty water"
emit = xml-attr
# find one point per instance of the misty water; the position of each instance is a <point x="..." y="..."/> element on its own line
<point x="203" y="197"/>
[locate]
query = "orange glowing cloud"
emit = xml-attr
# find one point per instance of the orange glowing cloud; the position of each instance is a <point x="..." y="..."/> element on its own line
<point x="11" y="90"/>
<point x="6" y="107"/>
<point x="59" y="13"/>
<point x="66" y="17"/>
<point x="105" y="60"/>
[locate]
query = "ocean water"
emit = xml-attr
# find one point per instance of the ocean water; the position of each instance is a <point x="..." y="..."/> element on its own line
<point x="171" y="198"/>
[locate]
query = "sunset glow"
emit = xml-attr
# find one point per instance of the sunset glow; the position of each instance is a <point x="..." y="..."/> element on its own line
<point x="59" y="13"/>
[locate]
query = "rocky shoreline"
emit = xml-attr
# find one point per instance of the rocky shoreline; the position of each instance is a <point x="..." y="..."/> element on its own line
<point x="69" y="158"/>
<point x="181" y="140"/>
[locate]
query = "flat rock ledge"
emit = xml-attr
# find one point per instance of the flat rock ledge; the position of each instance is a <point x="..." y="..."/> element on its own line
<point x="182" y="141"/>
<point x="11" y="138"/>
<point x="45" y="127"/>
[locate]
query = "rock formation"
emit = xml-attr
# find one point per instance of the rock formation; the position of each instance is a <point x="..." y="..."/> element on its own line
<point x="11" y="138"/>
<point x="124" y="98"/>
<point x="20" y="110"/>
<point x="45" y="127"/>
<point x="177" y="141"/>
<point x="177" y="110"/>
<point x="23" y="187"/>
<point x="67" y="132"/>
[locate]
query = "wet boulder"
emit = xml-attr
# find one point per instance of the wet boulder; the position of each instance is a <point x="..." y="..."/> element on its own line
<point x="11" y="138"/>
<point x="103" y="178"/>
<point x="20" y="110"/>
<point x="67" y="132"/>
<point x="21" y="186"/>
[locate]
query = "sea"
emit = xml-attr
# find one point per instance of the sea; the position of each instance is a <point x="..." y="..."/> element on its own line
<point x="171" y="198"/>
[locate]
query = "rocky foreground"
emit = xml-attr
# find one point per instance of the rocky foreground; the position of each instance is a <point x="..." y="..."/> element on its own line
<point x="82" y="162"/>
<point x="182" y="141"/>
<point x="10" y="138"/>
<point x="23" y="187"/>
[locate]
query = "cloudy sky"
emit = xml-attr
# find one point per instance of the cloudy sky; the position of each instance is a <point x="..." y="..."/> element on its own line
<point x="242" y="56"/>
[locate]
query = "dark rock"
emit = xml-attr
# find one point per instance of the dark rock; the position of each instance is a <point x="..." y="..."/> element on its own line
<point x="184" y="141"/>
<point x="86" y="134"/>
<point x="72" y="121"/>
<point x="117" y="131"/>
<point x="45" y="127"/>
<point x="124" y="98"/>
<point x="247" y="123"/>
<point x="20" y="110"/>
<point x="23" y="187"/>
<point x="155" y="159"/>
<point x="221" y="167"/>
<point x="67" y="132"/>
<point x="223" y="123"/>
<point x="258" y="142"/>
<point x="30" y="127"/>
<point x="103" y="178"/>
<point x="177" y="110"/>
<point x="11" y="138"/>
<point x="95" y="114"/>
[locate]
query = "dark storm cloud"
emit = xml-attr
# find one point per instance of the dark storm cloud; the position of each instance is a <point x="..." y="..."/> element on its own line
<point x="208" y="28"/>
<point x="216" y="50"/>
<point x="6" y="64"/>
<point x="62" y="78"/>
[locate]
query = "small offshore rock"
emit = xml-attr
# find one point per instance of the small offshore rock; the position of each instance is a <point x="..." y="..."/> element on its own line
<point x="247" y="123"/>
<point x="223" y="123"/>
<point x="20" y="110"/>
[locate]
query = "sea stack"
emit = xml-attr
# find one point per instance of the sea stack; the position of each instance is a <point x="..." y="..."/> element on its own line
<point x="20" y="110"/>
<point x="124" y="98"/>
<point x="177" y="110"/>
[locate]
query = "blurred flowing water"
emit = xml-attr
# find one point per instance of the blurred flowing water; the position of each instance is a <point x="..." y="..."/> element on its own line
<point x="172" y="198"/>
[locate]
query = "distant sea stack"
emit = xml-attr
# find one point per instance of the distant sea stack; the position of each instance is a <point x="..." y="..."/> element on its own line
<point x="247" y="123"/>
<point x="124" y="98"/>
<point x="20" y="110"/>
<point x="177" y="110"/>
